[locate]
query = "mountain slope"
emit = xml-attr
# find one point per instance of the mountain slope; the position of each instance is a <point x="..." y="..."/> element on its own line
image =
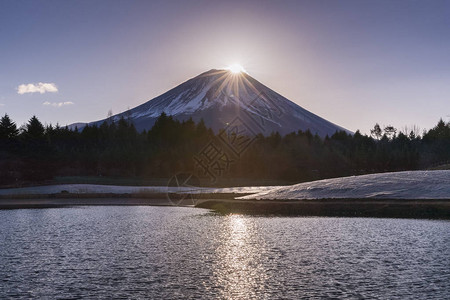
<point x="222" y="98"/>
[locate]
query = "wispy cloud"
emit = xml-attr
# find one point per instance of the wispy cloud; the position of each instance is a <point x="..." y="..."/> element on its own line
<point x="40" y="87"/>
<point x="57" y="104"/>
<point x="1" y="104"/>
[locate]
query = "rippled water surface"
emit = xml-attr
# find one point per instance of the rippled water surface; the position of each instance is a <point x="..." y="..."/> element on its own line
<point x="174" y="252"/>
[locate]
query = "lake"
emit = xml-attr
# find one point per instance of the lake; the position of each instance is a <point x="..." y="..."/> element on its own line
<point x="180" y="252"/>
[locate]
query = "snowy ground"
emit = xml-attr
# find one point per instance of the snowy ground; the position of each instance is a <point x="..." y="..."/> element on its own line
<point x="398" y="185"/>
<point x="112" y="189"/>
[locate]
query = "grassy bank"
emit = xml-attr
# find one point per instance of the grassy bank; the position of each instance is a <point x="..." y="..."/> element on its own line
<point x="421" y="209"/>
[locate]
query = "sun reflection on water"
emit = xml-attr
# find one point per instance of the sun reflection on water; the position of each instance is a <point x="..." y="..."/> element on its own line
<point x="239" y="270"/>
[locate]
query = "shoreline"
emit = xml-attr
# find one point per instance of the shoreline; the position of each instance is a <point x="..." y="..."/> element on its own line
<point x="53" y="200"/>
<point x="225" y="203"/>
<point x="371" y="208"/>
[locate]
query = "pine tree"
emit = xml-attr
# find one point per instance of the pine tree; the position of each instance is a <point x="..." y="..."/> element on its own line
<point x="8" y="128"/>
<point x="34" y="129"/>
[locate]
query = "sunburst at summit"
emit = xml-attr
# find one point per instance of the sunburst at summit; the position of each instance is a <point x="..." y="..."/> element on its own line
<point x="236" y="69"/>
<point x="218" y="96"/>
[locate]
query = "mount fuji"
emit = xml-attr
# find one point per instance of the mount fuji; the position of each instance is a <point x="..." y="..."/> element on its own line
<point x="221" y="98"/>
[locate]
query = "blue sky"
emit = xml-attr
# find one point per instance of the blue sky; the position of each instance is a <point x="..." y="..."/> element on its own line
<point x="354" y="63"/>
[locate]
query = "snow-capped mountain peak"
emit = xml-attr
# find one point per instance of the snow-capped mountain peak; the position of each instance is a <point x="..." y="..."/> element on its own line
<point x="220" y="96"/>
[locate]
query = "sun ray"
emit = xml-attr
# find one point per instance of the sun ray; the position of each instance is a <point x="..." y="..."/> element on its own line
<point x="230" y="83"/>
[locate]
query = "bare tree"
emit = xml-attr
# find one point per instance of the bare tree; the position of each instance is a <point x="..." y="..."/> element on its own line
<point x="376" y="132"/>
<point x="390" y="131"/>
<point x="411" y="132"/>
<point x="128" y="115"/>
<point x="109" y="118"/>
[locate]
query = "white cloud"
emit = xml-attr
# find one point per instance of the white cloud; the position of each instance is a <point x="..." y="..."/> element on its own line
<point x="40" y="87"/>
<point x="57" y="104"/>
<point x="1" y="104"/>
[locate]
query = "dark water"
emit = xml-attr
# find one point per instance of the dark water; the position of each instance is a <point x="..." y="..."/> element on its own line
<point x="173" y="252"/>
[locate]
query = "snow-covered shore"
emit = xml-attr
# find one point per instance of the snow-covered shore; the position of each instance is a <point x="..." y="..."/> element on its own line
<point x="114" y="189"/>
<point x="396" y="185"/>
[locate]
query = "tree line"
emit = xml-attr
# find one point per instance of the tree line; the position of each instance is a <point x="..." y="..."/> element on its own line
<point x="36" y="152"/>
